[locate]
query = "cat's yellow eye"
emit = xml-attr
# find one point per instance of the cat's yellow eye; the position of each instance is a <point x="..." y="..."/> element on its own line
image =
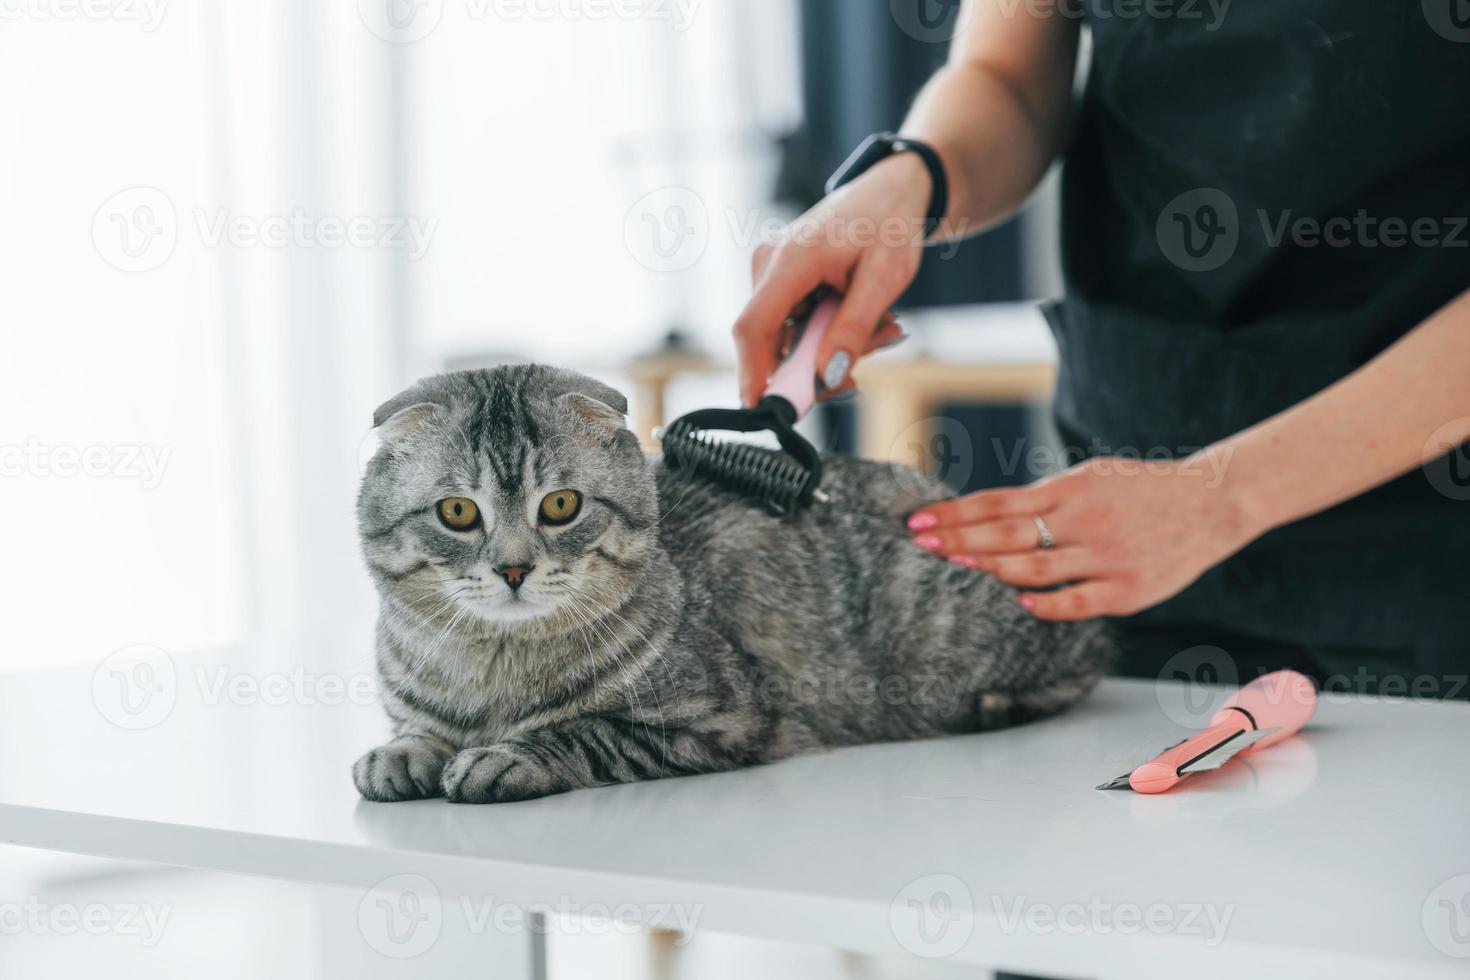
<point x="459" y="513"/>
<point x="559" y="507"/>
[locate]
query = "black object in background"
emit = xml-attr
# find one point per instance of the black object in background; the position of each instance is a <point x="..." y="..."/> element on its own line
<point x="1001" y="451"/>
<point x="860" y="73"/>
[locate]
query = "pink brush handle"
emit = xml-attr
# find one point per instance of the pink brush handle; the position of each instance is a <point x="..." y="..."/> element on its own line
<point x="796" y="380"/>
<point x="1283" y="700"/>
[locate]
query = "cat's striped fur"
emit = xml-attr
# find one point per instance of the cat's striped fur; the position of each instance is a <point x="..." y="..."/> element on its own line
<point x="672" y="628"/>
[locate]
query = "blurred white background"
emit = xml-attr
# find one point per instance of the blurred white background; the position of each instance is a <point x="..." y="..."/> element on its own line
<point x="232" y="229"/>
<point x="228" y="231"/>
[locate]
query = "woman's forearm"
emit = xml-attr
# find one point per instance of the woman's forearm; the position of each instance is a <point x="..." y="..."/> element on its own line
<point x="998" y="111"/>
<point x="1408" y="405"/>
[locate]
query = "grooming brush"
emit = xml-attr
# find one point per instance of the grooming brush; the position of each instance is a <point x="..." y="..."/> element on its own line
<point x="1265" y="711"/>
<point x="783" y="481"/>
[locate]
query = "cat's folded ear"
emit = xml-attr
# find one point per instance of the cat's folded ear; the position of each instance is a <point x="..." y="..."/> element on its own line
<point x="596" y="413"/>
<point x="595" y="403"/>
<point x="404" y="414"/>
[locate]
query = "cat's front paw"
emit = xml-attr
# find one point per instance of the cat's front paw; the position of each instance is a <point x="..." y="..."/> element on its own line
<point x="501" y="773"/>
<point x="405" y="769"/>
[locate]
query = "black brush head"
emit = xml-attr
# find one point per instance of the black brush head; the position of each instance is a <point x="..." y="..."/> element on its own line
<point x="782" y="481"/>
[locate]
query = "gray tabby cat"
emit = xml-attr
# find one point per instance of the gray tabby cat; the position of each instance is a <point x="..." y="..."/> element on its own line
<point x="560" y="611"/>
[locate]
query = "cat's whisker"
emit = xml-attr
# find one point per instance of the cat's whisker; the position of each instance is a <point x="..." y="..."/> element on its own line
<point x="623" y="658"/>
<point x="432" y="649"/>
<point x="658" y="656"/>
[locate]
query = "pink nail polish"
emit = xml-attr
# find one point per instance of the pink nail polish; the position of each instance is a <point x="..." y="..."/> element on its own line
<point x="927" y="541"/>
<point x="964" y="560"/>
<point x="923" y="522"/>
<point x="1027" y="601"/>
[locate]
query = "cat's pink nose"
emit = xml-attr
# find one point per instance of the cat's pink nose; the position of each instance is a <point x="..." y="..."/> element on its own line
<point x="514" y="575"/>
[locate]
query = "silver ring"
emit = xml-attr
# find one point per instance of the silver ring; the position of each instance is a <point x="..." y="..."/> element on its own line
<point x="1047" y="540"/>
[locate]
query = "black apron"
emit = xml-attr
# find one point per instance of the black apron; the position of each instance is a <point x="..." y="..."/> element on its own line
<point x="1199" y="301"/>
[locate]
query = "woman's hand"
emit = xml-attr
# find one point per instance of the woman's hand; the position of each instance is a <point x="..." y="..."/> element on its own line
<point x="1128" y="533"/>
<point x="865" y="241"/>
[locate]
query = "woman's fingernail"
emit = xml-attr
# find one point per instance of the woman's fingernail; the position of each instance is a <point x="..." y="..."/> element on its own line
<point x="1028" y="601"/>
<point x="923" y="522"/>
<point x="964" y="560"/>
<point x="836" y="370"/>
<point x="929" y="541"/>
<point x="894" y="342"/>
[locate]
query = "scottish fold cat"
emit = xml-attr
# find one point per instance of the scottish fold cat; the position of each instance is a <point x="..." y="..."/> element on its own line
<point x="561" y="611"/>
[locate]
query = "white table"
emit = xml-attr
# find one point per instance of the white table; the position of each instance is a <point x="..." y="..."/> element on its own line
<point x="1344" y="852"/>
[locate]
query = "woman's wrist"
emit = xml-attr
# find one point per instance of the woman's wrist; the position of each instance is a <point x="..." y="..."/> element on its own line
<point x="1246" y="506"/>
<point x="907" y="184"/>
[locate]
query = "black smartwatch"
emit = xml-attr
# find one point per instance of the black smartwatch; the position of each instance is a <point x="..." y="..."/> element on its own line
<point x="880" y="147"/>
